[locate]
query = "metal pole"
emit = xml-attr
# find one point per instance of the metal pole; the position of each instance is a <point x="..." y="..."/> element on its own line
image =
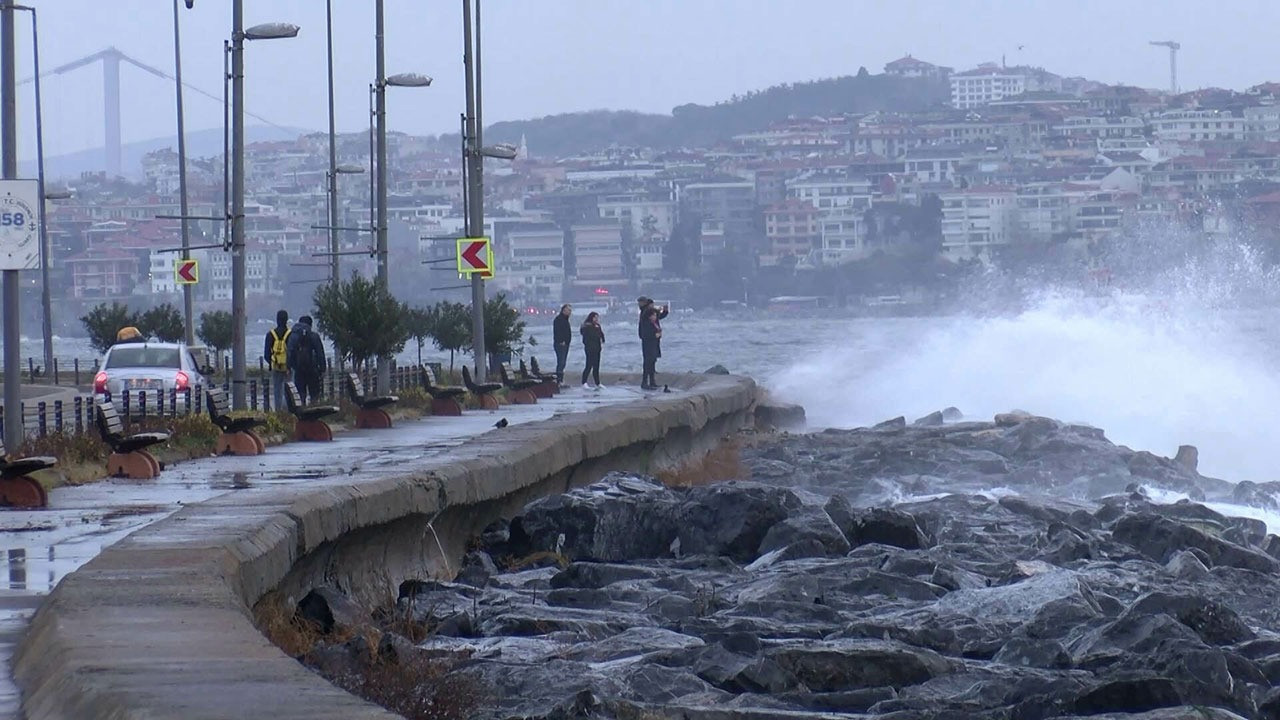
<point x="334" y="271"/>
<point x="380" y="86"/>
<point x="14" y="435"/>
<point x="188" y="307"/>
<point x="46" y="292"/>
<point x="475" y="186"/>
<point x="237" y="208"/>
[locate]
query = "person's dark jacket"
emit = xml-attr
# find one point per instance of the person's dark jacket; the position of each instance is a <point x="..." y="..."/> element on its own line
<point x="562" y="332"/>
<point x="270" y="342"/>
<point x="306" y="351"/>
<point x="662" y="313"/>
<point x="651" y="334"/>
<point x="592" y="336"/>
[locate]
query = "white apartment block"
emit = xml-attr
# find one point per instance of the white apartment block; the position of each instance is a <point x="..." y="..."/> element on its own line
<point x="531" y="264"/>
<point x="598" y="253"/>
<point x="976" y="220"/>
<point x="992" y="83"/>
<point x="827" y="190"/>
<point x="1197" y="126"/>
<point x="632" y="209"/>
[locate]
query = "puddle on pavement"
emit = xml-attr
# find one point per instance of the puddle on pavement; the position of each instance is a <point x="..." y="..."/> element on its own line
<point x="237" y="481"/>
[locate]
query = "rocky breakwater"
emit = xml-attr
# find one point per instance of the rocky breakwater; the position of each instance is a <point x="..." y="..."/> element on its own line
<point x="1017" y="569"/>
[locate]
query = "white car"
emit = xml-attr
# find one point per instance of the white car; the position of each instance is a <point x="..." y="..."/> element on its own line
<point x="148" y="368"/>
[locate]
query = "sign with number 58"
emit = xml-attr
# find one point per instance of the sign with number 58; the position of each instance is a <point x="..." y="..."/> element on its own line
<point x="19" y="225"/>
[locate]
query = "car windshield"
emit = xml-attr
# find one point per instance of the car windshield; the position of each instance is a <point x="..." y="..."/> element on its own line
<point x="141" y="356"/>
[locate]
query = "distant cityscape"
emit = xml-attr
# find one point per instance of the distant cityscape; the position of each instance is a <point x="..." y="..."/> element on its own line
<point x="1019" y="159"/>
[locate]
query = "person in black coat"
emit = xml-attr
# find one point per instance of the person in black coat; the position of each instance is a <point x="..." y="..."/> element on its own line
<point x="562" y="337"/>
<point x="592" y="344"/>
<point x="306" y="359"/>
<point x="650" y="340"/>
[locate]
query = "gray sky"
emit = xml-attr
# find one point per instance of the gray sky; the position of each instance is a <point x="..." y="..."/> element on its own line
<point x="551" y="56"/>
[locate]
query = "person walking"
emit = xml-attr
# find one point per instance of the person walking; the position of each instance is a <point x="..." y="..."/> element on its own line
<point x="275" y="350"/>
<point x="592" y="344"/>
<point x="306" y="359"/>
<point x="562" y="337"/>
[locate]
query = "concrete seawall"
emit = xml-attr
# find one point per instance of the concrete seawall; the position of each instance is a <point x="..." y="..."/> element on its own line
<point x="160" y="624"/>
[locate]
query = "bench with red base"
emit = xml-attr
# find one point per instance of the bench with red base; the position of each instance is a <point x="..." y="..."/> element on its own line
<point x="445" y="400"/>
<point x="547" y="385"/>
<point x="310" y="424"/>
<point x="369" y="410"/>
<point x="129" y="456"/>
<point x="521" y="392"/>
<point x="483" y="392"/>
<point x="238" y="436"/>
<point x="17" y="487"/>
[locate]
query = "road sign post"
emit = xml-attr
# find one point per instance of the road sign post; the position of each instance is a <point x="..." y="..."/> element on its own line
<point x="186" y="272"/>
<point x="475" y="257"/>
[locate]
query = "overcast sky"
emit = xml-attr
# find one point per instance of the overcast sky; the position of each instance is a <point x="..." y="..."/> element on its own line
<point x="552" y="56"/>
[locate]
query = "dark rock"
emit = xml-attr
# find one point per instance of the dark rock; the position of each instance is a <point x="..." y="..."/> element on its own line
<point x="598" y="575"/>
<point x="1158" y="538"/>
<point x="1254" y="495"/>
<point x="476" y="569"/>
<point x="889" y="527"/>
<point x="620" y="518"/>
<point x="814" y="525"/>
<point x="716" y="370"/>
<point x="933" y="419"/>
<point x="1027" y="652"/>
<point x="329" y="609"/>
<point x="731" y="519"/>
<point x="1185" y="565"/>
<point x="1215" y="623"/>
<point x="1188" y="457"/>
<point x="773" y="415"/>
<point x="897" y="423"/>
<point x="740" y="673"/>
<point x="835" y="665"/>
<point x="1133" y="695"/>
<point x="952" y="414"/>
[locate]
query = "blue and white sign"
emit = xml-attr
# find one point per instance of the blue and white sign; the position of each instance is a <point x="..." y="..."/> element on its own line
<point x="19" y="225"/>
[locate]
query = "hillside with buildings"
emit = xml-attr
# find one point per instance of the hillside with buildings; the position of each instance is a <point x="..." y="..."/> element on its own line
<point x="861" y="190"/>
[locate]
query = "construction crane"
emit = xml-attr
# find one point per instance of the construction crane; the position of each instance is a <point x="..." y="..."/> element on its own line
<point x="1174" y="47"/>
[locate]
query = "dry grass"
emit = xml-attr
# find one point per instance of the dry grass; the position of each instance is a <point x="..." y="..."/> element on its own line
<point x="282" y="626"/>
<point x="721" y="464"/>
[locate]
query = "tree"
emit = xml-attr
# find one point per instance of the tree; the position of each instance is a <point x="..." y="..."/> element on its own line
<point x="104" y="321"/>
<point x="452" y="327"/>
<point x="215" y="330"/>
<point x="420" y="322"/>
<point x="362" y="319"/>
<point x="163" y="322"/>
<point x="503" y="327"/>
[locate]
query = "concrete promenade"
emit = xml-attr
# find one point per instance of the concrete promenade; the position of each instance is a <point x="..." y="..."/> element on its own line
<point x="157" y="624"/>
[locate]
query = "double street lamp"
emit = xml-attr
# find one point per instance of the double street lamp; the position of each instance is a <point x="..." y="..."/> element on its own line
<point x="265" y="31"/>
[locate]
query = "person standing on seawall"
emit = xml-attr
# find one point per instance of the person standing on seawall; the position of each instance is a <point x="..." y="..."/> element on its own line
<point x="592" y="344"/>
<point x="276" y="352"/>
<point x="650" y="340"/>
<point x="562" y="337"/>
<point x="306" y="358"/>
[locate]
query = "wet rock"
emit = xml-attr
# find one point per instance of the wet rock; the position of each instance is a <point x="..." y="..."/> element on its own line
<point x="731" y="519"/>
<point x="932" y="419"/>
<point x="620" y="518"/>
<point x="897" y="423"/>
<point x="716" y="370"/>
<point x="773" y="415"/>
<point x="1188" y="457"/>
<point x="813" y="526"/>
<point x="598" y="575"/>
<point x="1186" y="566"/>
<point x="888" y="527"/>
<point x="329" y="609"/>
<point x="1028" y="652"/>
<point x="476" y="569"/>
<point x="835" y="665"/>
<point x="1159" y="537"/>
<point x="1215" y="623"/>
<point x="1130" y="695"/>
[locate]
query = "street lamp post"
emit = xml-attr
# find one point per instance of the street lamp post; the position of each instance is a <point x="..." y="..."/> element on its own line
<point x="266" y="31"/>
<point x="188" y="307"/>
<point x="380" y="111"/>
<point x="333" y="151"/>
<point x="335" y="273"/>
<point x="14" y="434"/>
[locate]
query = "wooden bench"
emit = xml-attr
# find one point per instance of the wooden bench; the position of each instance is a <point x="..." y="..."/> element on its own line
<point x="369" y="410"/>
<point x="17" y="487"/>
<point x="521" y="392"/>
<point x="238" y="436"/>
<point x="129" y="456"/>
<point x="310" y="423"/>
<point x="483" y="392"/>
<point x="547" y="385"/>
<point x="445" y="400"/>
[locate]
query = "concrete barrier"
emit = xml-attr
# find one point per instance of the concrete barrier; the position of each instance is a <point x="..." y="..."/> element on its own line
<point x="160" y="624"/>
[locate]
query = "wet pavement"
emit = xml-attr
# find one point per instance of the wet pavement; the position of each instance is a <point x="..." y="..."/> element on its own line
<point x="39" y="547"/>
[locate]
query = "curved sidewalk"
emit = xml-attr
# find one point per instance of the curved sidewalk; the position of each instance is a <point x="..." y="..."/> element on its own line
<point x="40" y="547"/>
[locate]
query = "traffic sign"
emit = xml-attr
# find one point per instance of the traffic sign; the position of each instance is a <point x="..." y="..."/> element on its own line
<point x="19" y="225"/>
<point x="475" y="256"/>
<point x="186" y="272"/>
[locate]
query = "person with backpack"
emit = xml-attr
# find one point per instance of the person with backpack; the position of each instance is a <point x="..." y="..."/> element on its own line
<point x="276" y="352"/>
<point x="306" y="359"/>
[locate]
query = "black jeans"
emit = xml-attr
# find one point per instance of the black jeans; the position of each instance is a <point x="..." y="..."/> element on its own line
<point x="593" y="364"/>
<point x="562" y="359"/>
<point x="650" y="373"/>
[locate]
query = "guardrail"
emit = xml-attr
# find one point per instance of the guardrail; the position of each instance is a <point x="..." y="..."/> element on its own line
<point x="75" y="415"/>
